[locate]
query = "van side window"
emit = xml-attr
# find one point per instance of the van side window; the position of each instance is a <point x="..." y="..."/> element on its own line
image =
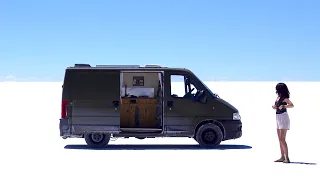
<point x="177" y="86"/>
<point x="185" y="88"/>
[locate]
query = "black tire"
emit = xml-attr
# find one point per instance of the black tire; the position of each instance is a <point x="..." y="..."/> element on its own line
<point x="97" y="140"/>
<point x="209" y="136"/>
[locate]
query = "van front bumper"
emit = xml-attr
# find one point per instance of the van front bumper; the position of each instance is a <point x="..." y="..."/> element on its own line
<point x="233" y="129"/>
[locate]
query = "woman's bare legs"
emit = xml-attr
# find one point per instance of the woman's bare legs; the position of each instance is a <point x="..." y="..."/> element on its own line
<point x="284" y="145"/>
<point x="282" y="158"/>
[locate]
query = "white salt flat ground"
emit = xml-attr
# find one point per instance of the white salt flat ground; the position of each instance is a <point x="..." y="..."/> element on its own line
<point x="31" y="146"/>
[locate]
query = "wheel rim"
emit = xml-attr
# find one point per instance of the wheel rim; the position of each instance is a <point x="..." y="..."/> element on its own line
<point x="209" y="136"/>
<point x="96" y="137"/>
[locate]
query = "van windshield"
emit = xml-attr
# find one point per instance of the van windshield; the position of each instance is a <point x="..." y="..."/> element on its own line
<point x="215" y="95"/>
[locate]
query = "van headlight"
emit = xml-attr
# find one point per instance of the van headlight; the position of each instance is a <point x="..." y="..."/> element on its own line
<point x="236" y="116"/>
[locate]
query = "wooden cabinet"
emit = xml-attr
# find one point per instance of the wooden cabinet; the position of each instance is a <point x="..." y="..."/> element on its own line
<point x="138" y="112"/>
<point x="127" y="112"/>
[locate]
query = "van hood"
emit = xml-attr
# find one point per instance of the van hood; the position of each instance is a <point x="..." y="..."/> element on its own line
<point x="227" y="104"/>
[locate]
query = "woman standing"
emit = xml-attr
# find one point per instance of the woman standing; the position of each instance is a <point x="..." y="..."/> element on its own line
<point x="282" y="118"/>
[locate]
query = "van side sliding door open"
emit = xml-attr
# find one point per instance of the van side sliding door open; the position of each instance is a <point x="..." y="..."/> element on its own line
<point x="141" y="109"/>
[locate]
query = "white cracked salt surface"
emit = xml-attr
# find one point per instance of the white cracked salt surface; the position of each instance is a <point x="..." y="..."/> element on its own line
<point x="31" y="146"/>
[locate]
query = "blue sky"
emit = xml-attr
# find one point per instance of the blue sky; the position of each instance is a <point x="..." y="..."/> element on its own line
<point x="274" y="40"/>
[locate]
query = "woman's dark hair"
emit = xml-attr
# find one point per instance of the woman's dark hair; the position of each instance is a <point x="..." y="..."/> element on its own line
<point x="282" y="90"/>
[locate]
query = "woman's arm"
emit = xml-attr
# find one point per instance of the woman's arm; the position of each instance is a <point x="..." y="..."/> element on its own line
<point x="289" y="104"/>
<point x="274" y="107"/>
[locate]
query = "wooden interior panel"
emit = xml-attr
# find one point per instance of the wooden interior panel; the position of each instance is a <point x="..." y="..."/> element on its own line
<point x="127" y="112"/>
<point x="146" y="112"/>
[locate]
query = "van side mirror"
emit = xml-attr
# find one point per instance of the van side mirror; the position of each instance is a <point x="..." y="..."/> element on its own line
<point x="202" y="98"/>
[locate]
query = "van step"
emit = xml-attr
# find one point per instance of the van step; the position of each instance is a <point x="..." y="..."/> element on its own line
<point x="141" y="129"/>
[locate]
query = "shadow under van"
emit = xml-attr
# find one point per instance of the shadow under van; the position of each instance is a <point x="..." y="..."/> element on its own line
<point x="107" y="101"/>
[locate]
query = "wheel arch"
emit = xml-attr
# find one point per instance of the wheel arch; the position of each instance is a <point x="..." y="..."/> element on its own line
<point x="206" y="121"/>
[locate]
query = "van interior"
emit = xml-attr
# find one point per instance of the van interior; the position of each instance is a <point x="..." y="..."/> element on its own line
<point x="141" y="101"/>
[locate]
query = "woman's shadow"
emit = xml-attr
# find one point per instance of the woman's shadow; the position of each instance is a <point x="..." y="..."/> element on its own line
<point x="305" y="163"/>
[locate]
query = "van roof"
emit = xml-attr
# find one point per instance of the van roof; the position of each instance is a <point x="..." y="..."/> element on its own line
<point x="126" y="67"/>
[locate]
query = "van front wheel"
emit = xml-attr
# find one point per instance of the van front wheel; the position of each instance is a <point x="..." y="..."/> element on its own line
<point x="209" y="135"/>
<point x="97" y="140"/>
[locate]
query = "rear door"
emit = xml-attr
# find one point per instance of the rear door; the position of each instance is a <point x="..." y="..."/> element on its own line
<point x="95" y="98"/>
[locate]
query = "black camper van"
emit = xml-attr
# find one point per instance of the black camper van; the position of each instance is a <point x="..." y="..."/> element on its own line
<point x="107" y="101"/>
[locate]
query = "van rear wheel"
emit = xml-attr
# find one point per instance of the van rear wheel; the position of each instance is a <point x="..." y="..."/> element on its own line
<point x="97" y="140"/>
<point x="209" y="135"/>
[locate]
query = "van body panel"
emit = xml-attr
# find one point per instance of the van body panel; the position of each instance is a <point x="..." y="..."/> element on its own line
<point x="90" y="85"/>
<point x="94" y="112"/>
<point x="233" y="129"/>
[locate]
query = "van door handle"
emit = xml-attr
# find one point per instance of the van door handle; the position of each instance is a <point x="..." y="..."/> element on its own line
<point x="170" y="104"/>
<point x="115" y="105"/>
